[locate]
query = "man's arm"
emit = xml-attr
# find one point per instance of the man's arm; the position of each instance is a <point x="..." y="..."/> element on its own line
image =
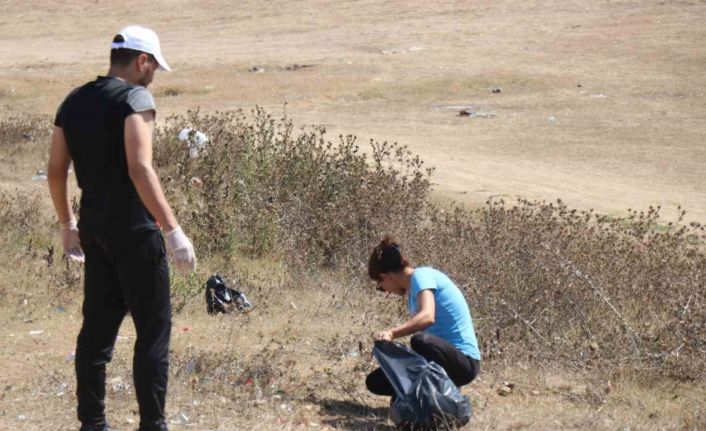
<point x="58" y="174"/>
<point x="138" y="149"/>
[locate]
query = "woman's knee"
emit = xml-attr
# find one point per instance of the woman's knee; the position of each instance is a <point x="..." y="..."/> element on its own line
<point x="419" y="341"/>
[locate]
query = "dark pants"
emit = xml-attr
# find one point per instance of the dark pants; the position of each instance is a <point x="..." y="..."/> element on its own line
<point x="461" y="369"/>
<point x="125" y="273"/>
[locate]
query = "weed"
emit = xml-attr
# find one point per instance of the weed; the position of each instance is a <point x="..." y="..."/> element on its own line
<point x="544" y="281"/>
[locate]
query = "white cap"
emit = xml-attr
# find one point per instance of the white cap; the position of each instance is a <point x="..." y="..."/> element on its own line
<point x="141" y="39"/>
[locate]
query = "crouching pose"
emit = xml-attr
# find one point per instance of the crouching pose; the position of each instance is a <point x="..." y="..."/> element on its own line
<point x="441" y="320"/>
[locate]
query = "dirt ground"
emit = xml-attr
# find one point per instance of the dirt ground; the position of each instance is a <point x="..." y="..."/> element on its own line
<point x="601" y="104"/>
<point x="322" y="387"/>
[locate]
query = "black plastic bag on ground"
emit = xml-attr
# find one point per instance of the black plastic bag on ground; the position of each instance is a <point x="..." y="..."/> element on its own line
<point x="222" y="299"/>
<point x="426" y="398"/>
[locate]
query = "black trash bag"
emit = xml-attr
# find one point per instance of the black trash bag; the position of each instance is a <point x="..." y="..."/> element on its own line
<point x="222" y="299"/>
<point x="426" y="398"/>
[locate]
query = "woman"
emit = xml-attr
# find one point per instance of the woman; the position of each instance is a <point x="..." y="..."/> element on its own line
<point x="441" y="319"/>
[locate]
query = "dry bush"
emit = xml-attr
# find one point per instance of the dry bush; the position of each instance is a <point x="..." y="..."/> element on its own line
<point x="565" y="284"/>
<point x="34" y="272"/>
<point x="258" y="186"/>
<point x="544" y="281"/>
<point x="23" y="133"/>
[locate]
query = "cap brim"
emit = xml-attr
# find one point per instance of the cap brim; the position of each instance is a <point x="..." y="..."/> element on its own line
<point x="162" y="62"/>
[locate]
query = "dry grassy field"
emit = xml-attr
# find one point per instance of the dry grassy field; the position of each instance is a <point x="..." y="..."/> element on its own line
<point x="599" y="103"/>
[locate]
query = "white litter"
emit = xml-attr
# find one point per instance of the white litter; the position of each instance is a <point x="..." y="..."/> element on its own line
<point x="40" y="176"/>
<point x="195" y="141"/>
<point x="181" y="419"/>
<point x="36" y="332"/>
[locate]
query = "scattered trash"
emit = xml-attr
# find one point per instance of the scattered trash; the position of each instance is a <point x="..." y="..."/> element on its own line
<point x="193" y="366"/>
<point x="401" y="50"/>
<point x="196" y="182"/>
<point x="36" y="332"/>
<point x="61" y="390"/>
<point x="551" y="119"/>
<point x="506" y="389"/>
<point x="294" y="306"/>
<point x="257" y="69"/>
<point x="298" y="66"/>
<point x="496" y="90"/>
<point x="60" y="309"/>
<point x="453" y="108"/>
<point x="71" y="357"/>
<point x="425" y="395"/>
<point x="222" y="299"/>
<point x="180" y="419"/>
<point x="598" y="96"/>
<point x="117" y="384"/>
<point x="171" y="92"/>
<point x="40" y="176"/>
<point x="195" y="141"/>
<point x="475" y="114"/>
<point x="21" y="417"/>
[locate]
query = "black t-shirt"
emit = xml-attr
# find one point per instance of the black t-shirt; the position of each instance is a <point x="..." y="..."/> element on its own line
<point x="93" y="119"/>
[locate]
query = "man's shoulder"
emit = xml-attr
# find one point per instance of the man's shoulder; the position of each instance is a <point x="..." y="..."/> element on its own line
<point x="140" y="99"/>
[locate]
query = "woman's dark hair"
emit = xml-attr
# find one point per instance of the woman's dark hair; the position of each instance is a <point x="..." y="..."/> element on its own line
<point x="386" y="257"/>
<point x="124" y="56"/>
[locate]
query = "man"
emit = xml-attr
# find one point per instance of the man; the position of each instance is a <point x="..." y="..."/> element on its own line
<point x="105" y="128"/>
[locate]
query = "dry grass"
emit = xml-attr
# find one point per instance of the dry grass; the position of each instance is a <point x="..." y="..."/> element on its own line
<point x="602" y="316"/>
<point x="547" y="280"/>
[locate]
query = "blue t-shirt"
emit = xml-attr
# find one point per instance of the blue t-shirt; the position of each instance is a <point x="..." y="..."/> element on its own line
<point x="453" y="321"/>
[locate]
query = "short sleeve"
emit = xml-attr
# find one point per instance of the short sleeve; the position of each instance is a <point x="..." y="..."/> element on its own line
<point x="61" y="112"/>
<point x="57" y="118"/>
<point x="140" y="100"/>
<point x="421" y="280"/>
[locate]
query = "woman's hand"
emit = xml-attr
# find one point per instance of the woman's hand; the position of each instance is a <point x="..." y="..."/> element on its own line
<point x="383" y="336"/>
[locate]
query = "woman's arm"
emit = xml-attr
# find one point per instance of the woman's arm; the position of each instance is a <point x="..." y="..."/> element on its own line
<point x="424" y="318"/>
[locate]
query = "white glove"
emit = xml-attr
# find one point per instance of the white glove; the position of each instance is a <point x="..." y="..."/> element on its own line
<point x="71" y="243"/>
<point x="181" y="248"/>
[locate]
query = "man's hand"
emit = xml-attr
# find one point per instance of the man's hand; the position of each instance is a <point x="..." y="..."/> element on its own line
<point x="71" y="243"/>
<point x="383" y="336"/>
<point x="181" y="248"/>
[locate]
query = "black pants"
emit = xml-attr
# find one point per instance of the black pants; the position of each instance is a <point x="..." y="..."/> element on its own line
<point x="461" y="369"/>
<point x="125" y="273"/>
